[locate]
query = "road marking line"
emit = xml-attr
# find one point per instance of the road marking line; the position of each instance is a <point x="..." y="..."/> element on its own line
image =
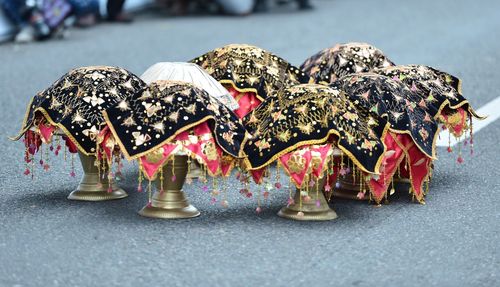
<point x="491" y="109"/>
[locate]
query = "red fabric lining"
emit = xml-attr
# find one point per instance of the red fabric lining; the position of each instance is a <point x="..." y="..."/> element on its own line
<point x="247" y="101"/>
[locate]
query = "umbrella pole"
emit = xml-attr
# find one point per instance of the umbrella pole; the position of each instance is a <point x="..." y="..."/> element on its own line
<point x="310" y="210"/>
<point x="92" y="187"/>
<point x="172" y="202"/>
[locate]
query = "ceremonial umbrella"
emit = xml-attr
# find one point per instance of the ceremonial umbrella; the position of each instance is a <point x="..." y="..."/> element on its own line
<point x="300" y="127"/>
<point x="441" y="91"/>
<point x="343" y="59"/>
<point x="72" y="109"/>
<point x="251" y="74"/>
<point x="162" y="129"/>
<point x="191" y="73"/>
<point x="413" y="129"/>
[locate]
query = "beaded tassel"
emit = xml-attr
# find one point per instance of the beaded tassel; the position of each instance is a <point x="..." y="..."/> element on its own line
<point x="110" y="180"/>
<point x="98" y="165"/>
<point x="290" y="198"/>
<point x="224" y="201"/>
<point x="104" y="168"/>
<point x="46" y="165"/>
<point x="72" y="173"/>
<point x="139" y="186"/>
<point x="318" y="202"/>
<point x="161" y="181"/>
<point x="449" y="142"/>
<point x="119" y="164"/>
<point x="32" y="167"/>
<point x="149" y="194"/>
<point x="277" y="184"/>
<point x="58" y="146"/>
<point x="27" y="161"/>
<point x="41" y="157"/>
<point x="327" y="186"/>
<point x="65" y="152"/>
<point x="471" y="137"/>
<point x="354" y="174"/>
<point x="300" y="214"/>
<point x="341" y="160"/>
<point x="215" y="192"/>
<point x="173" y="169"/>
<point x="460" y="158"/>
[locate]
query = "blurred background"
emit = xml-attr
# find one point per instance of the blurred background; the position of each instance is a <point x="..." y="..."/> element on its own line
<point x="46" y="240"/>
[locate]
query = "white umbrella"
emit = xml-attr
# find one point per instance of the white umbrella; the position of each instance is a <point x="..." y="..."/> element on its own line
<point x="192" y="73"/>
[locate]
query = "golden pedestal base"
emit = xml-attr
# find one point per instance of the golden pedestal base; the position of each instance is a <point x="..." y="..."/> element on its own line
<point x="172" y="202"/>
<point x="195" y="171"/>
<point x="93" y="188"/>
<point x="309" y="211"/>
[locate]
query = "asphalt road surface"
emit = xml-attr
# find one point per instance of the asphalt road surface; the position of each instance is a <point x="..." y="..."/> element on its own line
<point x="453" y="240"/>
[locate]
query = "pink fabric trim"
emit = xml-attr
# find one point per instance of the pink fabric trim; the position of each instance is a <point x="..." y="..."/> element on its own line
<point x="258" y="175"/>
<point x="248" y="101"/>
<point x="393" y="156"/>
<point x="46" y="131"/>
<point x="150" y="168"/>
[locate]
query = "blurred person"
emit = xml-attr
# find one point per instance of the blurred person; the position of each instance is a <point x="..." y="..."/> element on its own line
<point x="237" y="7"/>
<point x="36" y="20"/>
<point x="262" y="5"/>
<point x="86" y="12"/>
<point x="115" y="12"/>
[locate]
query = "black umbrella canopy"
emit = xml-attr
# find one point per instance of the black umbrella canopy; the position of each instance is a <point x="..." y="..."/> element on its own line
<point x="309" y="114"/>
<point x="441" y="89"/>
<point x="405" y="111"/>
<point x="74" y="103"/>
<point x="344" y="59"/>
<point x="167" y="108"/>
<point x="250" y="69"/>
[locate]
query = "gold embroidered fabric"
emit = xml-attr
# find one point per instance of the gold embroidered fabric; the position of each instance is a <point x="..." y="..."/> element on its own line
<point x="250" y="69"/>
<point x="404" y="110"/>
<point x="313" y="114"/>
<point x="164" y="110"/>
<point x="344" y="59"/>
<point x="443" y="89"/>
<point x="75" y="102"/>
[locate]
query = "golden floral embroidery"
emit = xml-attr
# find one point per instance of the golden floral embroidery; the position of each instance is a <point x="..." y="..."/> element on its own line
<point x="249" y="68"/>
<point x="310" y="113"/>
<point x="76" y="101"/>
<point x="332" y="63"/>
<point x="167" y="109"/>
<point x="210" y="151"/>
<point x="155" y="156"/>
<point x="296" y="163"/>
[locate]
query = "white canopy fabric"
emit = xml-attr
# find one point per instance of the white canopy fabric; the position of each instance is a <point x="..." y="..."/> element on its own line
<point x="192" y="73"/>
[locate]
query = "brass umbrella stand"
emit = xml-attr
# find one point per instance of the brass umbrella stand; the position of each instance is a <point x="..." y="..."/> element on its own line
<point x="310" y="209"/>
<point x="92" y="187"/>
<point x="172" y="202"/>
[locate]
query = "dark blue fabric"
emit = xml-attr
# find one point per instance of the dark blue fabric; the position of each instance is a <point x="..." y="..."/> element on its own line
<point x="13" y="9"/>
<point x="84" y="7"/>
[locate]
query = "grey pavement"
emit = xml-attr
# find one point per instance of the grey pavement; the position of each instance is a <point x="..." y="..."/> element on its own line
<point x="453" y="240"/>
